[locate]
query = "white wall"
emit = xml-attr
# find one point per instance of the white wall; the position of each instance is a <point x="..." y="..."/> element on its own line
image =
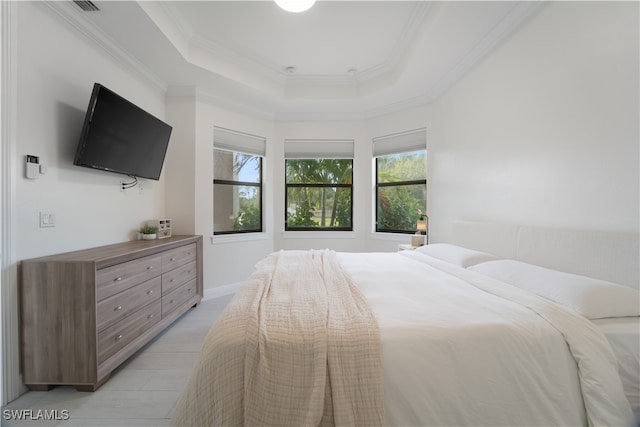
<point x="401" y="121"/>
<point x="362" y="238"/>
<point x="56" y="69"/>
<point x="227" y="259"/>
<point x="231" y="259"/>
<point x="544" y="131"/>
<point x="341" y="241"/>
<point x="179" y="165"/>
<point x="56" y="72"/>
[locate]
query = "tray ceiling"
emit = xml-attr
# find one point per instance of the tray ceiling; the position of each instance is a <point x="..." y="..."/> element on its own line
<point x="348" y="58"/>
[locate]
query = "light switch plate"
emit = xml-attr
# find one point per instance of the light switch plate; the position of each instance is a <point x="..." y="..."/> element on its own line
<point x="47" y="219"/>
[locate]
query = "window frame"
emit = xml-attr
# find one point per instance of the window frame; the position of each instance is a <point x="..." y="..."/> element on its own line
<point x="317" y="185"/>
<point x="239" y="143"/>
<point x="379" y="185"/>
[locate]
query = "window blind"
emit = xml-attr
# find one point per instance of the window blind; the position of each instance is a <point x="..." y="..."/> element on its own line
<point x="402" y="142"/>
<point x="230" y="140"/>
<point x="318" y="148"/>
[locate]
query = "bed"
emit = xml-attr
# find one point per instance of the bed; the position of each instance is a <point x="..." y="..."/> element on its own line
<point x="444" y="335"/>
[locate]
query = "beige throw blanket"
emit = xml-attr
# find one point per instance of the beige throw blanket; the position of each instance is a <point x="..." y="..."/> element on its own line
<point x="297" y="346"/>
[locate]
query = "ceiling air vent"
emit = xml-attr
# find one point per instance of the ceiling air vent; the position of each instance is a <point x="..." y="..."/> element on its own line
<point x="86" y="5"/>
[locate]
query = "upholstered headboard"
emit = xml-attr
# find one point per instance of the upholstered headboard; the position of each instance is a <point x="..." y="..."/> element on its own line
<point x="604" y="255"/>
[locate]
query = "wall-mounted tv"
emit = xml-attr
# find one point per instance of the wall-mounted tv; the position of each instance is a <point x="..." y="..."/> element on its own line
<point x="118" y="136"/>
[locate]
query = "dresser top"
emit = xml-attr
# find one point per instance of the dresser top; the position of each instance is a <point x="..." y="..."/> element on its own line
<point x="108" y="255"/>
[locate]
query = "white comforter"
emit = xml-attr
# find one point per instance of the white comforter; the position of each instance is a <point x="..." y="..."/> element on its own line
<point x="459" y="348"/>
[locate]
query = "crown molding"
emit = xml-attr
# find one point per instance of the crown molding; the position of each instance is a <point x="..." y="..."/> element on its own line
<point x="170" y="13"/>
<point x="318" y="116"/>
<point x="395" y="107"/>
<point x="206" y="97"/>
<point x="315" y="88"/>
<point x="69" y="14"/>
<point x="259" y="66"/>
<point x="424" y="15"/>
<point x="519" y="14"/>
<point x="274" y="73"/>
<point x="304" y="90"/>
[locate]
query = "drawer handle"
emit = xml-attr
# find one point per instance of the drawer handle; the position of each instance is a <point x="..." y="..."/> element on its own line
<point x="117" y="279"/>
<point x="150" y="316"/>
<point x="189" y="253"/>
<point x="118" y="338"/>
<point x="150" y="292"/>
<point x="172" y="259"/>
<point x="188" y="271"/>
<point x="150" y="267"/>
<point x="118" y="308"/>
<point x="189" y="290"/>
<point x="172" y="280"/>
<point x="171" y="302"/>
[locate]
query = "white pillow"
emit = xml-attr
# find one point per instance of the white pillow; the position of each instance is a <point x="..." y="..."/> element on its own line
<point x="592" y="298"/>
<point x="453" y="254"/>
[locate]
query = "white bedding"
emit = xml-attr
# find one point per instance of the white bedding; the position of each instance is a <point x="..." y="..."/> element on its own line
<point x="486" y="353"/>
<point x="624" y="336"/>
<point x="592" y="298"/>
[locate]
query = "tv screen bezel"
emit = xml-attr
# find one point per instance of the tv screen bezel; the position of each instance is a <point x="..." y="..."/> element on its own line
<point x="98" y="88"/>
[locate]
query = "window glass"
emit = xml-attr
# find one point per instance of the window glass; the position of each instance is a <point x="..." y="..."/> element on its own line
<point x="236" y="166"/>
<point x="237" y="192"/>
<point x="402" y="167"/>
<point x="319" y="194"/>
<point x="401" y="191"/>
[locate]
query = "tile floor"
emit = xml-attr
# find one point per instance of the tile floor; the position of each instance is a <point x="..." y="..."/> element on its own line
<point x="142" y="392"/>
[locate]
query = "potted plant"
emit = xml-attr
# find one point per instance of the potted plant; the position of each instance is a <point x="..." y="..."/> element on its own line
<point x="148" y="232"/>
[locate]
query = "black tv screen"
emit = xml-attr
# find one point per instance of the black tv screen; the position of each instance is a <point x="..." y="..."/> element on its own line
<point x="118" y="136"/>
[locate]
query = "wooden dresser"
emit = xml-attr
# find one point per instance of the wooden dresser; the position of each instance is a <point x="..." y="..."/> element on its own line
<point x="83" y="313"/>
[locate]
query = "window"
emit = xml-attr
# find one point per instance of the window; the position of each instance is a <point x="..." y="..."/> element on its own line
<point x="319" y="185"/>
<point x="401" y="181"/>
<point x="237" y="182"/>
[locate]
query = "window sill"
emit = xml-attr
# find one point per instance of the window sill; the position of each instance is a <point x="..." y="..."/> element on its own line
<point x="318" y="235"/>
<point x="393" y="237"/>
<point x="237" y="238"/>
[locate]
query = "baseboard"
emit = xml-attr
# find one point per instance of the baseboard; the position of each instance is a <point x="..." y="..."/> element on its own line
<point x="220" y="291"/>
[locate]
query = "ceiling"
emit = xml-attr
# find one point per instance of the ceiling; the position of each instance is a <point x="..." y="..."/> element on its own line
<point x="340" y="58"/>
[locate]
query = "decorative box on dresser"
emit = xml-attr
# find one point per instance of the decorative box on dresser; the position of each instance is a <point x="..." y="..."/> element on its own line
<point x="83" y="313"/>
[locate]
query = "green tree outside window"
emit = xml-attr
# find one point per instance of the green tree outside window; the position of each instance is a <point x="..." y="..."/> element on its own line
<point x="401" y="191"/>
<point x="319" y="194"/>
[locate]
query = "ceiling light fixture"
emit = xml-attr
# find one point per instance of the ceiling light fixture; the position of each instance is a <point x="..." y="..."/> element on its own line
<point x="295" y="6"/>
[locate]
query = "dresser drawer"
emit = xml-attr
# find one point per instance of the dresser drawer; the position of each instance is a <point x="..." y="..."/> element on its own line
<point x="83" y="313"/>
<point x="178" y="276"/>
<point x="116" y="337"/>
<point x="178" y="256"/>
<point x="113" y="309"/>
<point x="178" y="297"/>
<point x="112" y="280"/>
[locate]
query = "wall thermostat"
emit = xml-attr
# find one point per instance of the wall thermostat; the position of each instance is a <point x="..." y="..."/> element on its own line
<point x="32" y="166"/>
